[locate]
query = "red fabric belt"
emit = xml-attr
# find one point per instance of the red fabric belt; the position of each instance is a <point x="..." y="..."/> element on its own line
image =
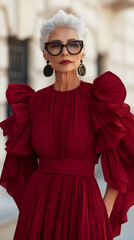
<point x="66" y="166"/>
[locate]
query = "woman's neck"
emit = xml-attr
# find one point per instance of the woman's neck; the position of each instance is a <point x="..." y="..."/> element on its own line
<point x="66" y="81"/>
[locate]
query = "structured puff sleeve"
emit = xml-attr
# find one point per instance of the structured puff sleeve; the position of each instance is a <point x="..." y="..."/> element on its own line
<point x="21" y="160"/>
<point x="114" y="128"/>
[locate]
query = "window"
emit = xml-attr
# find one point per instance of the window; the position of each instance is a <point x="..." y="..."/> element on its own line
<point x="101" y="63"/>
<point x="18" y="62"/>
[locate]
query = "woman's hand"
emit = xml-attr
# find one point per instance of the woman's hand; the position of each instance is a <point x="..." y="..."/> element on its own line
<point x="109" y="199"/>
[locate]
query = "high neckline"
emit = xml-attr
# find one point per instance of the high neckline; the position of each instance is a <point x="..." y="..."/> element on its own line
<point x="67" y="91"/>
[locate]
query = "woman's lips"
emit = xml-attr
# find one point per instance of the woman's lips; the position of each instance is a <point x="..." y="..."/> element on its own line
<point x="65" y="62"/>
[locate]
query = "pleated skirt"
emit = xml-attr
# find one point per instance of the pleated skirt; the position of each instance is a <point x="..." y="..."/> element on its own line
<point x="62" y="207"/>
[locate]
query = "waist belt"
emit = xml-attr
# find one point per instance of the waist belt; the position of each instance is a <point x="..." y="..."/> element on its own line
<point x="66" y="166"/>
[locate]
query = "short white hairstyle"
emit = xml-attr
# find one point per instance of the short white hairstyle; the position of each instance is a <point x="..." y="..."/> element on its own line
<point x="61" y="19"/>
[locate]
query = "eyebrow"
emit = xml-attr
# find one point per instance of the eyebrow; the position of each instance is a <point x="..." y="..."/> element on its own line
<point x="61" y="41"/>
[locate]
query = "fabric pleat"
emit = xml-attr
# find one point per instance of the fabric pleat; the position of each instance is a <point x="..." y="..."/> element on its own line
<point x="84" y="123"/>
<point x="21" y="160"/>
<point x="115" y="140"/>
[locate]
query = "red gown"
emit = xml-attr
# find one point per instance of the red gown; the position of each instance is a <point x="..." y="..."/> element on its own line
<point x="54" y="141"/>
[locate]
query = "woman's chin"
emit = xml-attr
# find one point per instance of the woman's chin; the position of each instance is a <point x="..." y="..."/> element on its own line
<point x="65" y="69"/>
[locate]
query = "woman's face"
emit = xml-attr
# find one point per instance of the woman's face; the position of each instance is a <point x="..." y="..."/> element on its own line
<point x="64" y="35"/>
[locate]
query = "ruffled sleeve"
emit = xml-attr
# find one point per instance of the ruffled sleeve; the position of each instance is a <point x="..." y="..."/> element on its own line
<point x="21" y="160"/>
<point x="114" y="128"/>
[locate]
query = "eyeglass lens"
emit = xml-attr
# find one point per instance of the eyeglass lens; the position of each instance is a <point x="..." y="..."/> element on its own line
<point x="73" y="47"/>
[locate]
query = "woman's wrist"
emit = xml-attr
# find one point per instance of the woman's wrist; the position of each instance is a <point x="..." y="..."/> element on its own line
<point x="108" y="206"/>
<point x="109" y="199"/>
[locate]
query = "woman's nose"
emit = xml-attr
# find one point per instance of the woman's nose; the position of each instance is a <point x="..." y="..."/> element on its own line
<point x="64" y="51"/>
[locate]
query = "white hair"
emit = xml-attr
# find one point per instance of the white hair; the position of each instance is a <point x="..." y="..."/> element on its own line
<point x="61" y="18"/>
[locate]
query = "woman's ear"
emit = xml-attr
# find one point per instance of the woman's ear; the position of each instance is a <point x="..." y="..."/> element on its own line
<point x="45" y="55"/>
<point x="83" y="54"/>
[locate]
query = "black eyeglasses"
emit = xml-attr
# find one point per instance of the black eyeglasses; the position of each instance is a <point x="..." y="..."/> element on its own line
<point x="54" y="48"/>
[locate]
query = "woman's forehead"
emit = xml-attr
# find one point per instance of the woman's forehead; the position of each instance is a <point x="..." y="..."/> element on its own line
<point x="63" y="33"/>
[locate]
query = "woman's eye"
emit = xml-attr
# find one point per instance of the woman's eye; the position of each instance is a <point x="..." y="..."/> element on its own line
<point x="54" y="45"/>
<point x="75" y="44"/>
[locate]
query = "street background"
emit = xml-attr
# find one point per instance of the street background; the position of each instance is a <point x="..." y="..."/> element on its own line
<point x="110" y="47"/>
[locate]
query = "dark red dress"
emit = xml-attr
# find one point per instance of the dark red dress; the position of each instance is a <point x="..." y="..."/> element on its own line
<point x="55" y="140"/>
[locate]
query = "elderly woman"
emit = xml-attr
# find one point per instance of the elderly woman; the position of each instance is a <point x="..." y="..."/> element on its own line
<point x="56" y="136"/>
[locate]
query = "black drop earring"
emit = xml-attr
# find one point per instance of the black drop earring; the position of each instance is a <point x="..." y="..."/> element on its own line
<point x="82" y="69"/>
<point x="47" y="70"/>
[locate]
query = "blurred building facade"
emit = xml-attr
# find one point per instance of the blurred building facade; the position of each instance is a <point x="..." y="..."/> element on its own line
<point x="110" y="46"/>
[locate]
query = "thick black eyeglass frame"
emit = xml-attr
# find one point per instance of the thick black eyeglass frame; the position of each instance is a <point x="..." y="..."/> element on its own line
<point x="64" y="45"/>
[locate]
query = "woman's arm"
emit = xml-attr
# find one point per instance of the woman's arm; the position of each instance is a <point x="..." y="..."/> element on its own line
<point x="109" y="198"/>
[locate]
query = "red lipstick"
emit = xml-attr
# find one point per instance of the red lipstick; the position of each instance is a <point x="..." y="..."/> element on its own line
<point x="65" y="62"/>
